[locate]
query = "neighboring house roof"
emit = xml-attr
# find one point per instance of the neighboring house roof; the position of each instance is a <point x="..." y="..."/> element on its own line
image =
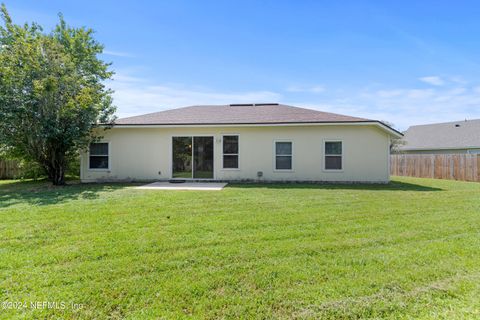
<point x="240" y="114"/>
<point x="450" y="135"/>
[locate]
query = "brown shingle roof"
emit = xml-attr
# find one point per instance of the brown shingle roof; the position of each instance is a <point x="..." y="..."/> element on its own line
<point x="237" y="114"/>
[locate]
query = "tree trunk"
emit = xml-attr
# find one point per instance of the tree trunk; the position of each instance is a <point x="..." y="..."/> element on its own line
<point x="56" y="169"/>
<point x="58" y="176"/>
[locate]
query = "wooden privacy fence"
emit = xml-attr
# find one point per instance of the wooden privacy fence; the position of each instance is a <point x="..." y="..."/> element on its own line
<point x="9" y="169"/>
<point x="464" y="167"/>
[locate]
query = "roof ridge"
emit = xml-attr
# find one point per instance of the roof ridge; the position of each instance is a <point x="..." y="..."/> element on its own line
<point x="251" y="113"/>
<point x="246" y="106"/>
<point x="449" y="122"/>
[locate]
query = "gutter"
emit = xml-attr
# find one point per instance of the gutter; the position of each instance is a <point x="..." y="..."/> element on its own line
<point x="380" y="124"/>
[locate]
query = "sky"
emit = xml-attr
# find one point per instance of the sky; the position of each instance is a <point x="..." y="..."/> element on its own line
<point x="405" y="62"/>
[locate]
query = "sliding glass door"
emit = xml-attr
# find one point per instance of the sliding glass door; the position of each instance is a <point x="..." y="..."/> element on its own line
<point x="192" y="157"/>
<point x="182" y="157"/>
<point x="203" y="157"/>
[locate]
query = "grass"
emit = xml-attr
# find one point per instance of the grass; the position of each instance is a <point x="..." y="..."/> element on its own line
<point x="196" y="175"/>
<point x="405" y="250"/>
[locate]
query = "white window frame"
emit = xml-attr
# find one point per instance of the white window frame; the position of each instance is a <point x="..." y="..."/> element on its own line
<point x="325" y="155"/>
<point x="108" y="155"/>
<point x="284" y="155"/>
<point x="231" y="154"/>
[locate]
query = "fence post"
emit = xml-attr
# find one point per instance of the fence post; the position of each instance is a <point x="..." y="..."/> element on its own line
<point x="478" y="167"/>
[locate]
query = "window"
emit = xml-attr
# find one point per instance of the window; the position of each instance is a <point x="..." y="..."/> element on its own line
<point x="98" y="158"/>
<point x="283" y="155"/>
<point x="333" y="155"/>
<point x="230" y="152"/>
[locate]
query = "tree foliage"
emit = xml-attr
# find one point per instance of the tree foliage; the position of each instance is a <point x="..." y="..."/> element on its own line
<point x="52" y="93"/>
<point x="395" y="143"/>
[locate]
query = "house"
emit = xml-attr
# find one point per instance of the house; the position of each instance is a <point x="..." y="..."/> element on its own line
<point x="450" y="137"/>
<point x="241" y="142"/>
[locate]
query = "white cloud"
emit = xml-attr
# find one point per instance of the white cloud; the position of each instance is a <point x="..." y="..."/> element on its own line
<point x="117" y="53"/>
<point x="409" y="106"/>
<point x="419" y="93"/>
<point x="477" y="89"/>
<point x="433" y="80"/>
<point x="134" y="96"/>
<point x="124" y="78"/>
<point x="458" y="80"/>
<point x="306" y="89"/>
<point x="401" y="106"/>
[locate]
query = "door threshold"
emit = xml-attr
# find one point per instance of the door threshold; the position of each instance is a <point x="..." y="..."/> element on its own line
<point x="177" y="180"/>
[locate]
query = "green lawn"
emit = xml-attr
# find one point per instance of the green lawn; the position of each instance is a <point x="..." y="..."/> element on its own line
<point x="410" y="249"/>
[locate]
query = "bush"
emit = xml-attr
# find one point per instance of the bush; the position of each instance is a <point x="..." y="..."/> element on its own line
<point x="30" y="170"/>
<point x="73" y="168"/>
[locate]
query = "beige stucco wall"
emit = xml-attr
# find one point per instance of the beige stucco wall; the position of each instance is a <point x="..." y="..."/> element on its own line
<point x="145" y="153"/>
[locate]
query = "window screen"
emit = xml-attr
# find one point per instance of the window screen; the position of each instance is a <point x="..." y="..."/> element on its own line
<point x="333" y="155"/>
<point x="283" y="155"/>
<point x="98" y="158"/>
<point x="230" y="152"/>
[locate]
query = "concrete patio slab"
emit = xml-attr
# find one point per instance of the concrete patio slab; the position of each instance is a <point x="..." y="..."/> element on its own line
<point x="165" y="185"/>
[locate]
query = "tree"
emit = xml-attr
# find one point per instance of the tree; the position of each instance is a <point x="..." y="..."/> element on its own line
<point x="52" y="93"/>
<point x="395" y="143"/>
